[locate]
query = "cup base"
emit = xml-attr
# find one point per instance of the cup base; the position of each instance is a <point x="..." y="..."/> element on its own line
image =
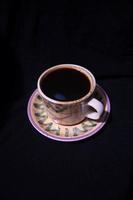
<point x="68" y="124"/>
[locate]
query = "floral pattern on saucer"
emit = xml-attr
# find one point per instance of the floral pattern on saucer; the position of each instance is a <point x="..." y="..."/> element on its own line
<point x="44" y="124"/>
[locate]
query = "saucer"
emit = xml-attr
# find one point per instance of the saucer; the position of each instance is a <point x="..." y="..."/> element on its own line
<point x="47" y="127"/>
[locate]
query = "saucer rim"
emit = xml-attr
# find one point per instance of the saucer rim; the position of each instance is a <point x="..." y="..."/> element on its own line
<point x="70" y="139"/>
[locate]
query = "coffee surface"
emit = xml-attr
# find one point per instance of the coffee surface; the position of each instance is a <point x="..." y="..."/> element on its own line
<point x="65" y="85"/>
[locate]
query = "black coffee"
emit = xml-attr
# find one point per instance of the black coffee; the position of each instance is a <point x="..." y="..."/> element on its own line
<point x="65" y="85"/>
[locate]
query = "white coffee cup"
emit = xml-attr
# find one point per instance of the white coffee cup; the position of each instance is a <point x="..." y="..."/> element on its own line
<point x="70" y="112"/>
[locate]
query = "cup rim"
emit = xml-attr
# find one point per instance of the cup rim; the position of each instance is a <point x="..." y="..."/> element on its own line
<point x="68" y="66"/>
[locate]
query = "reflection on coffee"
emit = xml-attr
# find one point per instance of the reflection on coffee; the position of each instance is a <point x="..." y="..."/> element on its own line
<point x="65" y="84"/>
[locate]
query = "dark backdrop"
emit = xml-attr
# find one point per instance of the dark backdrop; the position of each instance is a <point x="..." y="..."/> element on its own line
<point x="34" y="36"/>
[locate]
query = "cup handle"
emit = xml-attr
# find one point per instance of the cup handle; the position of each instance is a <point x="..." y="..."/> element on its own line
<point x="97" y="109"/>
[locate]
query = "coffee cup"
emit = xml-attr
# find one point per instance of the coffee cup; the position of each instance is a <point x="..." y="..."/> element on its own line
<point x="68" y="94"/>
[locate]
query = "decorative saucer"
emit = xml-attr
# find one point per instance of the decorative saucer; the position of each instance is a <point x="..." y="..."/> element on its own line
<point x="42" y="123"/>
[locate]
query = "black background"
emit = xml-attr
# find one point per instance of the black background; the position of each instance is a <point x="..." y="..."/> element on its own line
<point x="35" y="36"/>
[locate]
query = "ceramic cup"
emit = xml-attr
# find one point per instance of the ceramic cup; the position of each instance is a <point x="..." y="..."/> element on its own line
<point x="70" y="112"/>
